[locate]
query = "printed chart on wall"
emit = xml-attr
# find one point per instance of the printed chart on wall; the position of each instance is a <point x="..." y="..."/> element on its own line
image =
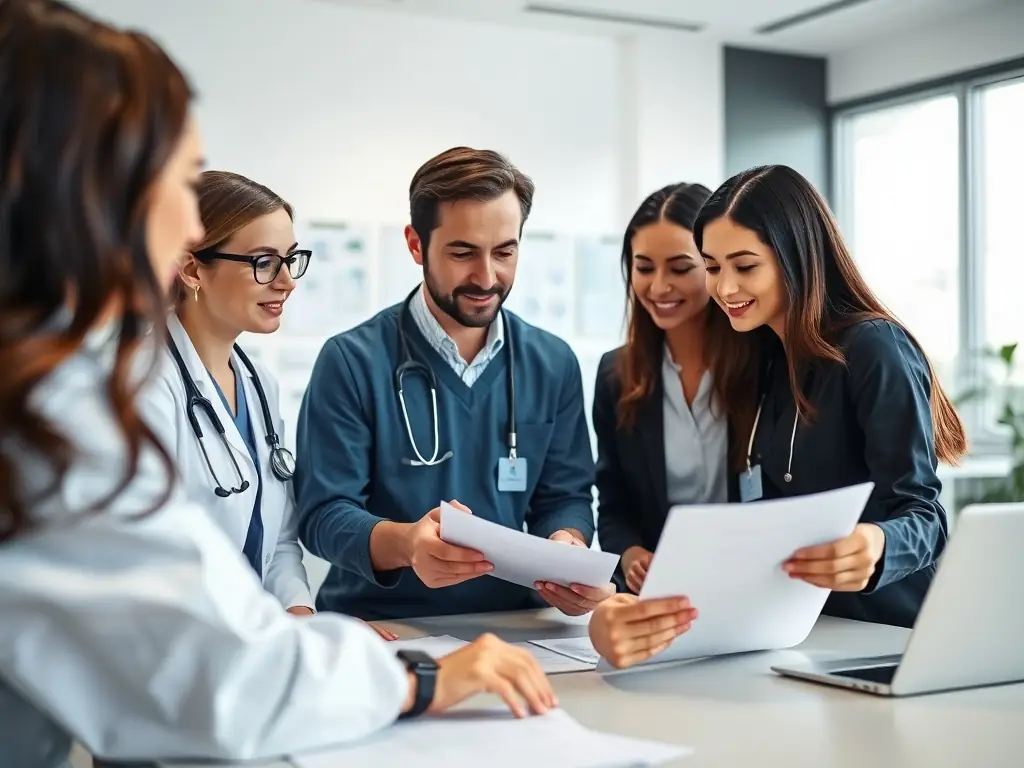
<point x="543" y="293"/>
<point x="398" y="272"/>
<point x="336" y="291"/>
<point x="600" y="289"/>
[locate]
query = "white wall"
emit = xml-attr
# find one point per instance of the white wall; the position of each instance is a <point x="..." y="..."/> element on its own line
<point x="968" y="42"/>
<point x="335" y="107"/>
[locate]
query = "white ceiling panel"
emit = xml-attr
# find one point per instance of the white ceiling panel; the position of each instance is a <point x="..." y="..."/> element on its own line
<point x="845" y="23"/>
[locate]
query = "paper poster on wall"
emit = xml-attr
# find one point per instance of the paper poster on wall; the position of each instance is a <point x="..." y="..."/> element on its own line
<point x="399" y="274"/>
<point x="600" y="308"/>
<point x="335" y="293"/>
<point x="543" y="293"/>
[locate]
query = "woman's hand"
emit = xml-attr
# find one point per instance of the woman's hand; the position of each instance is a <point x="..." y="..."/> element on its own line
<point x="300" y="610"/>
<point x="846" y="565"/>
<point x="490" y="665"/>
<point x="626" y="630"/>
<point x="635" y="562"/>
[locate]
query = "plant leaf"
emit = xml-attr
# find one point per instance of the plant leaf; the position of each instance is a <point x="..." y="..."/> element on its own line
<point x="1006" y="352"/>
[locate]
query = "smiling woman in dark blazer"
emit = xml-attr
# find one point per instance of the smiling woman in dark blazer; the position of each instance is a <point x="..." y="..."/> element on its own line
<point x="662" y="438"/>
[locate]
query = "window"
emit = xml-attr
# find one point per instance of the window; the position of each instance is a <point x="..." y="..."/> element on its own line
<point x="928" y="190"/>
<point x="902" y="216"/>
<point x="1000" y="199"/>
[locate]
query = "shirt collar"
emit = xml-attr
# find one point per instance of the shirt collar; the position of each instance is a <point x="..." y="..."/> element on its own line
<point x="437" y="336"/>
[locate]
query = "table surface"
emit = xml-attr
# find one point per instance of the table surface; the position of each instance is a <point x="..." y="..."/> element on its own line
<point x="734" y="711"/>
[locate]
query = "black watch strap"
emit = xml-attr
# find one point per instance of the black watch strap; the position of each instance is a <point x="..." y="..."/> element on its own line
<point x="424" y="669"/>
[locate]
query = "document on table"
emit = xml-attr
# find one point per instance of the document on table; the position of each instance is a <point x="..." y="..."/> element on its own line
<point x="551" y="660"/>
<point x="727" y="559"/>
<point x="522" y="558"/>
<point x="579" y="648"/>
<point x="494" y="737"/>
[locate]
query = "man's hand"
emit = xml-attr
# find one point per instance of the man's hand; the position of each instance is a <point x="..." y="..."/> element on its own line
<point x="437" y="563"/>
<point x="846" y="565"/>
<point x="635" y="562"/>
<point x="578" y="599"/>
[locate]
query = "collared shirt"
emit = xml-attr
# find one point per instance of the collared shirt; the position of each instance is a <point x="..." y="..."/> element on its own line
<point x="446" y="347"/>
<point x="696" y="441"/>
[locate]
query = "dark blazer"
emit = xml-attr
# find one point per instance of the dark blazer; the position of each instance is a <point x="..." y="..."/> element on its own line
<point x="873" y="422"/>
<point x="631" y="479"/>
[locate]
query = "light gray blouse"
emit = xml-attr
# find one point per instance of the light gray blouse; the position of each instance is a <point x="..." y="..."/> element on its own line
<point x="696" y="442"/>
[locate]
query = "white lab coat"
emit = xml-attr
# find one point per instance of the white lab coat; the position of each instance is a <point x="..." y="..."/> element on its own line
<point x="150" y="637"/>
<point x="163" y="409"/>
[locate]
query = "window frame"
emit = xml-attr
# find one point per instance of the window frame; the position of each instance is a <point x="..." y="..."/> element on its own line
<point x="968" y="88"/>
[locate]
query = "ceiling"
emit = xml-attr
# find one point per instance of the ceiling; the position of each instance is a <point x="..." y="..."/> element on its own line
<point x="807" y="26"/>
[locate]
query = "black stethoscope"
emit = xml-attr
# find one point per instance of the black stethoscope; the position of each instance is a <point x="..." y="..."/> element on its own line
<point x="410" y="365"/>
<point x="282" y="462"/>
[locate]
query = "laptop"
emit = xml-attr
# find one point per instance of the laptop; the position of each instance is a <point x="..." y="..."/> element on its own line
<point x="970" y="630"/>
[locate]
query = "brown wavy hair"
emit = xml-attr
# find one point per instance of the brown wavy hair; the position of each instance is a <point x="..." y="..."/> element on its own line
<point x="825" y="291"/>
<point x="89" y="115"/>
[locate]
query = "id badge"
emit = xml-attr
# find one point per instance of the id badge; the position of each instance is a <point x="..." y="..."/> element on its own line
<point x="512" y="475"/>
<point x="750" y="484"/>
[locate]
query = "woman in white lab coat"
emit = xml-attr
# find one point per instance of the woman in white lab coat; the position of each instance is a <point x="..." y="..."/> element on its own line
<point x="236" y="280"/>
<point x="129" y="620"/>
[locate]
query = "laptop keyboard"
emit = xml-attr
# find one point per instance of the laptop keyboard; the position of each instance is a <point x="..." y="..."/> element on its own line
<point x="880" y="674"/>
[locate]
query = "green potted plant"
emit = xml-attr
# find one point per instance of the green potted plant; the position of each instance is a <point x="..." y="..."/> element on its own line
<point x="1011" y="418"/>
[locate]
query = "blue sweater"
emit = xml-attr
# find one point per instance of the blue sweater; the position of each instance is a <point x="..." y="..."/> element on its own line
<point x="352" y="439"/>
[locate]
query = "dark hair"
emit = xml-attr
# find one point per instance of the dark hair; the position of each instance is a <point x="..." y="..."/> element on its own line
<point x="462" y="173"/>
<point x="638" y="366"/>
<point x="89" y="115"/>
<point x="227" y="203"/>
<point x="826" y="292"/>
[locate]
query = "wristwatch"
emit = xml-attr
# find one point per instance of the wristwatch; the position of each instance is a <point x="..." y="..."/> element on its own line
<point x="424" y="669"/>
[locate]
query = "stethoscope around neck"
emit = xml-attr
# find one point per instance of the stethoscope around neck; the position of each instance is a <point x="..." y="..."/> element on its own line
<point x="788" y="477"/>
<point x="410" y="365"/>
<point x="282" y="462"/>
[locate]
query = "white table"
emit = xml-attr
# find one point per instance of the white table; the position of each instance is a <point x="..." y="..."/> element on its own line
<point x="736" y="712"/>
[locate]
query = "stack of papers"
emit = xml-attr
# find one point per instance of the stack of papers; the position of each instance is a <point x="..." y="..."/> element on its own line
<point x="496" y="738"/>
<point x="548" y="654"/>
<point x="522" y="558"/>
<point x="727" y="559"/>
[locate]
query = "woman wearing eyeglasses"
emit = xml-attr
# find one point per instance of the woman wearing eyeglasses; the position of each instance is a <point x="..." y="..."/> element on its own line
<point x="216" y="410"/>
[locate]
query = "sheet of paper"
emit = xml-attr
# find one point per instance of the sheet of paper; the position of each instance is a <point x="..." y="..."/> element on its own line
<point x="436" y="645"/>
<point x="552" y="662"/>
<point x="579" y="648"/>
<point x="555" y="663"/>
<point x="727" y="558"/>
<point x="523" y="559"/>
<point x="494" y="736"/>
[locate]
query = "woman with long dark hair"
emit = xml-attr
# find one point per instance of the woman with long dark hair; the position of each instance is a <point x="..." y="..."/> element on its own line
<point x="662" y="436"/>
<point x="847" y="395"/>
<point x="130" y="622"/>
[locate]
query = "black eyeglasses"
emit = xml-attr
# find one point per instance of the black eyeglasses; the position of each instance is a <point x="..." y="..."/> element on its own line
<point x="265" y="266"/>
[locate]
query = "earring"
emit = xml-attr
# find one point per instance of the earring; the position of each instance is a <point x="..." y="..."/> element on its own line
<point x="197" y="293"/>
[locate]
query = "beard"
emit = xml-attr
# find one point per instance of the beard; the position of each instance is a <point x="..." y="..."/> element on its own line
<point x="473" y="317"/>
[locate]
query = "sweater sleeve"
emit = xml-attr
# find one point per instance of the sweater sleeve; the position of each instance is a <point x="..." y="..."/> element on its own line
<point x="333" y="466"/>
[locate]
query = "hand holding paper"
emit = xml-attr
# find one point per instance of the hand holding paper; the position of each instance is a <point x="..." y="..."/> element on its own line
<point x="437" y="563"/>
<point x="576" y="599"/>
<point x="527" y="560"/>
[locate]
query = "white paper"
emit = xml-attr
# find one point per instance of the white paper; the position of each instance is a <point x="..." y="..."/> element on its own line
<point x="727" y="559"/>
<point x="496" y="738"/>
<point x="579" y="648"/>
<point x="436" y="646"/>
<point x="552" y="662"/>
<point x="555" y="663"/>
<point x="522" y="558"/>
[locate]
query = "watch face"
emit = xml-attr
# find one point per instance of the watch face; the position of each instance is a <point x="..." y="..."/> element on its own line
<point x="414" y="658"/>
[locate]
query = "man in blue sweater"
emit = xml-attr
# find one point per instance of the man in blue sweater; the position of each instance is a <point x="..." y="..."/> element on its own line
<point x="414" y="406"/>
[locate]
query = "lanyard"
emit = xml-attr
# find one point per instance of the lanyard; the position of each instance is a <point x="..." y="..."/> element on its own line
<point x="788" y="477"/>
